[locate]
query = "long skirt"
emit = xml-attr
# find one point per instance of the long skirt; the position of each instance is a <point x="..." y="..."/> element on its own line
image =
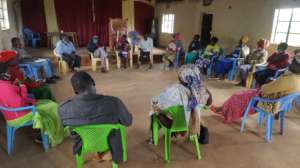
<point x="234" y="107"/>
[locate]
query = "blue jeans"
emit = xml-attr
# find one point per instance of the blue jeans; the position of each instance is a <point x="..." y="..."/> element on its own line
<point x="47" y="66"/>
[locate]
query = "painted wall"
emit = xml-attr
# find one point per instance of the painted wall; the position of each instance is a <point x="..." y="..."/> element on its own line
<point x="15" y="22"/>
<point x="232" y="19"/>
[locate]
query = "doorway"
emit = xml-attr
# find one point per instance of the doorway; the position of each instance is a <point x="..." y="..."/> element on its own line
<point x="206" y="28"/>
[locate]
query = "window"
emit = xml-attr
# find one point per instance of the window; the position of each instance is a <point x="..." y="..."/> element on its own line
<point x="167" y="25"/>
<point x="4" y="22"/>
<point x="286" y="26"/>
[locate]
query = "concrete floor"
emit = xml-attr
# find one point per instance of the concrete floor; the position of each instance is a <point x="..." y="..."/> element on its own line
<point x="227" y="148"/>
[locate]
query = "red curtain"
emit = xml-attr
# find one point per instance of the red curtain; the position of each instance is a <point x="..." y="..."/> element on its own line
<point x="78" y="16"/>
<point x="144" y="14"/>
<point x="33" y="17"/>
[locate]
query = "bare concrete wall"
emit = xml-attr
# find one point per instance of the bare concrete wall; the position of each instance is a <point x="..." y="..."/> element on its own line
<point x="15" y="22"/>
<point x="232" y="19"/>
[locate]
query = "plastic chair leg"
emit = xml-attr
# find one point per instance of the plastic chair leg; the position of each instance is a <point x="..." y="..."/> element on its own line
<point x="167" y="135"/>
<point x="10" y="131"/>
<point x="282" y="122"/>
<point x="34" y="43"/>
<point x="45" y="140"/>
<point x="94" y="65"/>
<point x="260" y="118"/>
<point x="124" y="144"/>
<point x="253" y="84"/>
<point x="79" y="161"/>
<point x="245" y="116"/>
<point x="197" y="146"/>
<point x="155" y="127"/>
<point x="269" y="126"/>
<point x="107" y="64"/>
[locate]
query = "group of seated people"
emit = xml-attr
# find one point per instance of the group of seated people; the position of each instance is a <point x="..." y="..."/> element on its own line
<point x="123" y="46"/>
<point x="87" y="107"/>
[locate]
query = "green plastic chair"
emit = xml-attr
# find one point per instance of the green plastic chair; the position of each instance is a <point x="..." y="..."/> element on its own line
<point x="178" y="125"/>
<point x="95" y="139"/>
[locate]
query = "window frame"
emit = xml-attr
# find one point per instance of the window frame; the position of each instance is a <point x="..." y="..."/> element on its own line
<point x="290" y="21"/>
<point x="168" y="22"/>
<point x="5" y="17"/>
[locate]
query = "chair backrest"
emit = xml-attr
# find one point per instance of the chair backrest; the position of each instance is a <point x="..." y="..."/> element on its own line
<point x="27" y="33"/>
<point x="286" y="102"/>
<point x="95" y="137"/>
<point x="178" y="117"/>
<point x="236" y="52"/>
<point x="279" y="72"/>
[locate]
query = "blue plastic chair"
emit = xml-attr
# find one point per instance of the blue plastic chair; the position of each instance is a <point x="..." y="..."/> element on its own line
<point x="211" y="66"/>
<point x="235" y="62"/>
<point x="177" y="58"/>
<point x="286" y="104"/>
<point x="10" y="130"/>
<point x="277" y="75"/>
<point x="30" y="71"/>
<point x="29" y="35"/>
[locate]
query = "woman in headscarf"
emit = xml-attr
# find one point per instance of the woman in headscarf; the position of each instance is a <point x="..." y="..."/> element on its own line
<point x="255" y="60"/>
<point x="276" y="61"/>
<point x="241" y="51"/>
<point x="213" y="49"/>
<point x="99" y="51"/>
<point x="233" y="108"/>
<point x="175" y="47"/>
<point x="194" y="49"/>
<point x="14" y="95"/>
<point x="190" y="93"/>
<point x="38" y="88"/>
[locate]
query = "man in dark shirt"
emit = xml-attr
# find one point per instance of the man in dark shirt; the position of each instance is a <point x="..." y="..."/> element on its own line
<point x="88" y="107"/>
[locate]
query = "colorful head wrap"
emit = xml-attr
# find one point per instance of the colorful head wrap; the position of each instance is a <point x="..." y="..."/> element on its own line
<point x="245" y="39"/>
<point x="190" y="76"/>
<point x="283" y="46"/>
<point x="7" y="55"/>
<point x="263" y="43"/>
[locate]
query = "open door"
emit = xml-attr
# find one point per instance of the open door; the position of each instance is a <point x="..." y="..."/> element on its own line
<point x="207" y="20"/>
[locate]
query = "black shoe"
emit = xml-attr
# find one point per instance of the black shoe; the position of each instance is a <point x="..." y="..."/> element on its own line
<point x="50" y="81"/>
<point x="55" y="77"/>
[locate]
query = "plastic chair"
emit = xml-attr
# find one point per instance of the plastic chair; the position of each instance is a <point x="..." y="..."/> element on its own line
<point x="178" y="125"/>
<point x="31" y="36"/>
<point x="119" y="59"/>
<point x="94" y="61"/>
<point x="10" y="130"/>
<point x="177" y="58"/>
<point x="212" y="65"/>
<point x="286" y="104"/>
<point x="95" y="139"/>
<point x="30" y="71"/>
<point x="63" y="67"/>
<point x="253" y="83"/>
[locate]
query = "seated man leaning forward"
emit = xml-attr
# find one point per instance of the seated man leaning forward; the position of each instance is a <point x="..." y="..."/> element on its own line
<point x="24" y="58"/>
<point x="88" y="107"/>
<point x="146" y="45"/>
<point x="66" y="50"/>
<point x="99" y="51"/>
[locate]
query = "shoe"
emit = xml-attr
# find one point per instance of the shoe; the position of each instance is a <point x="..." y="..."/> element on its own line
<point x="103" y="70"/>
<point x="50" y="81"/>
<point x="55" y="77"/>
<point x="240" y="84"/>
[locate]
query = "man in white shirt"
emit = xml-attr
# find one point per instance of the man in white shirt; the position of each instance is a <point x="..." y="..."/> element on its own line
<point x="146" y="45"/>
<point x="66" y="50"/>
